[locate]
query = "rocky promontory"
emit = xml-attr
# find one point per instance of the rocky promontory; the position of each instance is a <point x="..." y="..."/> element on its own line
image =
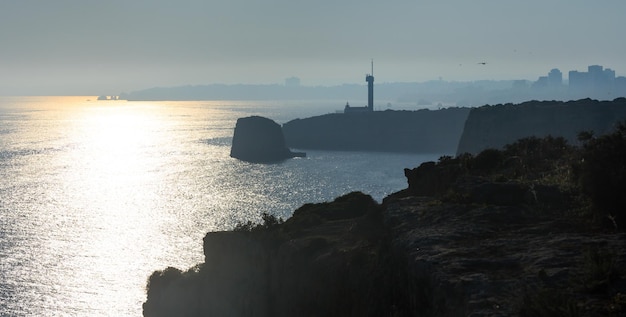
<point x="517" y="232"/>
<point x="422" y="131"/>
<point x="260" y="140"/>
<point x="494" y="126"/>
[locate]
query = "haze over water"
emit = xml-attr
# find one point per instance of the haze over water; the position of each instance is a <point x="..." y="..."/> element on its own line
<point x="96" y="195"/>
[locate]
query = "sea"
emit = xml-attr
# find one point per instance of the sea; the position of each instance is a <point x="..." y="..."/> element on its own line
<point x="97" y="195"/>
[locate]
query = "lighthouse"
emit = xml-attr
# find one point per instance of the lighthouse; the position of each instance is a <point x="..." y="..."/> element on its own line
<point x="369" y="78"/>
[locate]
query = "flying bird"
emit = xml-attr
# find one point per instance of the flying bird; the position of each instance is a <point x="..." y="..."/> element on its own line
<point x="482" y="63"/>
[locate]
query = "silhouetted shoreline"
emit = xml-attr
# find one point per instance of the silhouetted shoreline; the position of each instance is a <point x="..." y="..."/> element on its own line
<point x="534" y="228"/>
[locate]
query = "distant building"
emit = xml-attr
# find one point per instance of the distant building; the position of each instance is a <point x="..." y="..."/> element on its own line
<point x="578" y="80"/>
<point x="554" y="81"/>
<point x="541" y="83"/>
<point x="350" y="109"/>
<point x="292" y="82"/>
<point x="597" y="82"/>
<point x="620" y="86"/>
<point x="555" y="78"/>
<point x="369" y="78"/>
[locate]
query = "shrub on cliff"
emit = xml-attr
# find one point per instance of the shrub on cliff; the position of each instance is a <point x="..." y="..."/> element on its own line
<point x="487" y="161"/>
<point x="601" y="173"/>
<point x="269" y="222"/>
<point x="535" y="158"/>
<point x="351" y="205"/>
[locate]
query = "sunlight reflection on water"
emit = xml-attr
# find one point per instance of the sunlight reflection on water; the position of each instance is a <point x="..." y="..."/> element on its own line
<point x="97" y="195"/>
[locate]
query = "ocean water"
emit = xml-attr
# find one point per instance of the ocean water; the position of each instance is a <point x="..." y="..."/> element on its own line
<point x="96" y="195"/>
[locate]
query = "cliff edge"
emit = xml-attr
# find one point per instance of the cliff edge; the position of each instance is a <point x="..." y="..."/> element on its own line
<point x="525" y="231"/>
<point x="325" y="260"/>
<point x="494" y="126"/>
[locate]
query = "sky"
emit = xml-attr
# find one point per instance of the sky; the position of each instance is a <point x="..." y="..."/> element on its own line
<point x="93" y="47"/>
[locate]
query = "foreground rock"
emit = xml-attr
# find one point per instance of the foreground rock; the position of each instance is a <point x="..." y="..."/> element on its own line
<point x="489" y="260"/>
<point x="504" y="233"/>
<point x="411" y="256"/>
<point x="259" y="140"/>
<point x="329" y="259"/>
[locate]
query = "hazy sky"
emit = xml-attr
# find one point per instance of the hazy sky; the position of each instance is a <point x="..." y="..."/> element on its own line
<point x="113" y="46"/>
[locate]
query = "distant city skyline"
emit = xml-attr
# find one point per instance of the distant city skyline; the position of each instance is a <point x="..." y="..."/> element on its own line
<point x="596" y="82"/>
<point x="76" y="47"/>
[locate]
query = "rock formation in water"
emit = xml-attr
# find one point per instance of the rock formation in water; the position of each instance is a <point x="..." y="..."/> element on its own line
<point x="422" y="131"/>
<point x="495" y="126"/>
<point x="259" y="140"/>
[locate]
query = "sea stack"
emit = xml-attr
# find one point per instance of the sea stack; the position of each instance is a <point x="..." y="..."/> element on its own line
<point x="260" y="140"/>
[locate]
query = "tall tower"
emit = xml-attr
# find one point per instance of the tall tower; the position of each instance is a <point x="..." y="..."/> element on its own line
<point x="369" y="78"/>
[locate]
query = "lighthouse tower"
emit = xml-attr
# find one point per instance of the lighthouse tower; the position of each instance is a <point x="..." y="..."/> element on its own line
<point x="369" y="78"/>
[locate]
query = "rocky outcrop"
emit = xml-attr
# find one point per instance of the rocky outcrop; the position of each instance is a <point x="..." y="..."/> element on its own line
<point x="422" y="131"/>
<point x="329" y="259"/>
<point x="490" y="260"/>
<point x="410" y="256"/>
<point x="471" y="236"/>
<point x="496" y="126"/>
<point x="260" y="140"/>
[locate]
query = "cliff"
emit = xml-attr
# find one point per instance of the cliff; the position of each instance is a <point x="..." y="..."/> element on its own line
<point x="323" y="261"/>
<point x="495" y="126"/>
<point x="422" y="131"/>
<point x="411" y="256"/>
<point x="507" y="232"/>
<point x="260" y="140"/>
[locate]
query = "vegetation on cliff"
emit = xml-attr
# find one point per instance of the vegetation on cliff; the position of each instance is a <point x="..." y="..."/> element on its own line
<point x="528" y="230"/>
<point x="533" y="229"/>
<point x="328" y="259"/>
<point x="589" y="178"/>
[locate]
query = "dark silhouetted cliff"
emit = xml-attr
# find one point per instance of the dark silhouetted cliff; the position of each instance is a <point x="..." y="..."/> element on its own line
<point x="422" y="131"/>
<point x="513" y="232"/>
<point x="329" y="259"/>
<point x="260" y="140"/>
<point x="495" y="126"/>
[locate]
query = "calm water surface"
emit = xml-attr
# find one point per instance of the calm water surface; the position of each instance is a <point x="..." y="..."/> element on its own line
<point x="96" y="195"/>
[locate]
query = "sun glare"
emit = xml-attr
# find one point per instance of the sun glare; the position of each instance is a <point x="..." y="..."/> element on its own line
<point x="115" y="137"/>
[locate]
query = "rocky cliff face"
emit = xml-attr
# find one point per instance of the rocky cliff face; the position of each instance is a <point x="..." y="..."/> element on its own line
<point x="411" y="256"/>
<point x="494" y="260"/>
<point x="260" y="140"/>
<point x="502" y="233"/>
<point x="495" y="126"/>
<point x="329" y="259"/>
<point x="422" y="131"/>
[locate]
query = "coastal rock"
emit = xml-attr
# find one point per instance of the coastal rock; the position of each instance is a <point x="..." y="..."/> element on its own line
<point x="410" y="256"/>
<point x="259" y="140"/>
<point x="485" y="239"/>
<point x="430" y="179"/>
<point x="326" y="260"/>
<point x="498" y="125"/>
<point x="488" y="260"/>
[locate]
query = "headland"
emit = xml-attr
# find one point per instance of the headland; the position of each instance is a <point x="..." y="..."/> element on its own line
<point x="534" y="229"/>
<point x="422" y="131"/>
